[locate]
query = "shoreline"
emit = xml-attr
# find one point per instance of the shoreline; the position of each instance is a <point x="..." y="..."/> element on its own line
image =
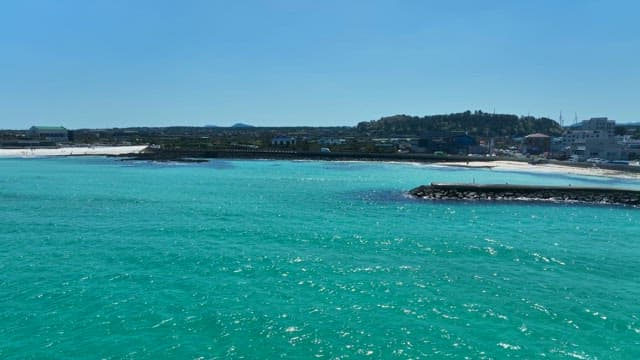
<point x="137" y="152"/>
<point x="493" y="163"/>
<point x="73" y="151"/>
<point x="549" y="168"/>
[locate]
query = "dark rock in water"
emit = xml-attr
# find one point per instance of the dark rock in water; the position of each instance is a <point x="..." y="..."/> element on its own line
<point x="508" y="192"/>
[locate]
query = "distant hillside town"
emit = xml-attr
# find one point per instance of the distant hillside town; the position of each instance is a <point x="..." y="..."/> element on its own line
<point x="477" y="133"/>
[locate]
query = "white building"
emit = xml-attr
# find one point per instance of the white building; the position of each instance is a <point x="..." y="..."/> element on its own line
<point x="332" y="141"/>
<point x="631" y="147"/>
<point x="283" y="141"/>
<point x="593" y="138"/>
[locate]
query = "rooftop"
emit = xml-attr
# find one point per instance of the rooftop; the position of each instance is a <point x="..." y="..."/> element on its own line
<point x="48" y="128"/>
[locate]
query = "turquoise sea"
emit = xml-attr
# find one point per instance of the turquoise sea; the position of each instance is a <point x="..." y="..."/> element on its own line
<point x="106" y="259"/>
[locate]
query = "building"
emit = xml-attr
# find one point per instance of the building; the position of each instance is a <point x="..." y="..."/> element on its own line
<point x="56" y="134"/>
<point x="631" y="147"/>
<point x="593" y="138"/>
<point x="536" y="144"/>
<point x="331" y="141"/>
<point x="283" y="141"/>
<point x="600" y="127"/>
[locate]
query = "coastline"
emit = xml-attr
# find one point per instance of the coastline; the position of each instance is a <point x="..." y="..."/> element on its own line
<point x="72" y="151"/>
<point x="137" y="152"/>
<point x="493" y="163"/>
<point x="550" y="168"/>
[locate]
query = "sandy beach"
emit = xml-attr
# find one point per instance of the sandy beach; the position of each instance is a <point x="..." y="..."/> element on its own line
<point x="544" y="168"/>
<point x="501" y="165"/>
<point x="72" y="151"/>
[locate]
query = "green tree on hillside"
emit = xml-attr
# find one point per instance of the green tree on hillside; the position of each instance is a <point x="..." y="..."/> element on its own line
<point x="475" y="123"/>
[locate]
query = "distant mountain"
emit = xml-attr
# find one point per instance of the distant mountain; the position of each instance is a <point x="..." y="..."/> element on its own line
<point x="241" y="125"/>
<point x="236" y="125"/>
<point x="475" y="123"/>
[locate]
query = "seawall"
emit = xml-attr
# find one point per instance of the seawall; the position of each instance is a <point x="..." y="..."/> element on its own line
<point x="506" y="192"/>
<point x="180" y="155"/>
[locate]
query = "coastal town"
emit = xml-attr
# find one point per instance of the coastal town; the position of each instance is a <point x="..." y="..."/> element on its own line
<point x="597" y="140"/>
<point x="295" y="179"/>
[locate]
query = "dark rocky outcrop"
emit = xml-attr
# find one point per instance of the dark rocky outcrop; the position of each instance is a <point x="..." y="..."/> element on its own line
<point x="506" y="192"/>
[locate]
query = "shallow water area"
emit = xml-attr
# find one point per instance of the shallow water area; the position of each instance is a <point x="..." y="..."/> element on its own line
<point x="299" y="259"/>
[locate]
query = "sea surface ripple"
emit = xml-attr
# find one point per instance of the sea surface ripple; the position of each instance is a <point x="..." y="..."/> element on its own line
<point x="101" y="258"/>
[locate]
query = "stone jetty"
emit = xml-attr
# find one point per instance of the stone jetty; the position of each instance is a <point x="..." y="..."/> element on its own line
<point x="507" y="192"/>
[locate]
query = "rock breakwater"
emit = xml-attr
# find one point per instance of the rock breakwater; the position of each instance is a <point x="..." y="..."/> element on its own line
<point x="506" y="192"/>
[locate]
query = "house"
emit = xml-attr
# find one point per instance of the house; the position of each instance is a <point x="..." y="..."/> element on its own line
<point x="49" y="133"/>
<point x="282" y="140"/>
<point x="536" y="144"/>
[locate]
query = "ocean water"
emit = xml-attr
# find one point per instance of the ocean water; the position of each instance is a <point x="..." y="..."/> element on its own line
<point x="105" y="259"/>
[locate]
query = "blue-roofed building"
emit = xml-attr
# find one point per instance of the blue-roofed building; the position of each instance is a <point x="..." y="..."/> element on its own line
<point x="283" y="141"/>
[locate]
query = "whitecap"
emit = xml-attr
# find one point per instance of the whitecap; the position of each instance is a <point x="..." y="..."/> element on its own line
<point x="508" y="346"/>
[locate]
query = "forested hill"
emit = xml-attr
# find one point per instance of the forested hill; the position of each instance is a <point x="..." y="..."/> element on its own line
<point x="476" y="123"/>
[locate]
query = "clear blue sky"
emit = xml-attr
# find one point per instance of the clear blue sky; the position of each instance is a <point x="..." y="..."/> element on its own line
<point x="124" y="63"/>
